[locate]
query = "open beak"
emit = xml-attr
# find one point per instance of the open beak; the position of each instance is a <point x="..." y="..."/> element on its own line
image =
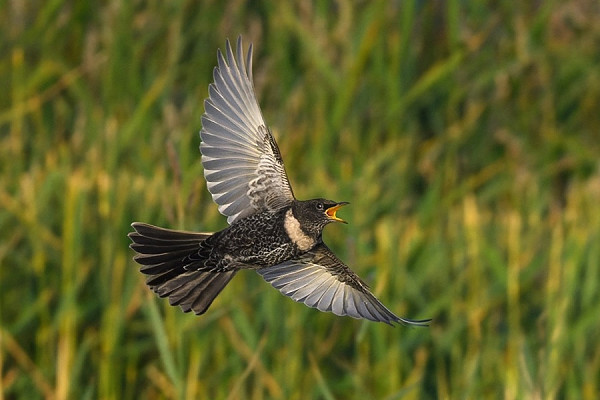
<point x="333" y="209"/>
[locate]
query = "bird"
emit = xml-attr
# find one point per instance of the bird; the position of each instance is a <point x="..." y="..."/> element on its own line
<point x="269" y="231"/>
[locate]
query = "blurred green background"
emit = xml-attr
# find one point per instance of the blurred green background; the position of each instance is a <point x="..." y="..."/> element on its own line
<point x="466" y="136"/>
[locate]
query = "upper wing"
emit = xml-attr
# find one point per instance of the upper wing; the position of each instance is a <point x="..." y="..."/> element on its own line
<point x="242" y="164"/>
<point x="320" y="280"/>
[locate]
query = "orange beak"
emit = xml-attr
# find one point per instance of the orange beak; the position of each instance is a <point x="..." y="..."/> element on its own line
<point x="332" y="210"/>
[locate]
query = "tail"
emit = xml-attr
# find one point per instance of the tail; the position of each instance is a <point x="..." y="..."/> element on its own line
<point x="173" y="261"/>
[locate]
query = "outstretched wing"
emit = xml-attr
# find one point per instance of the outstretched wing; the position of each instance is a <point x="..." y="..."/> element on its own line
<point x="320" y="280"/>
<point x="242" y="164"/>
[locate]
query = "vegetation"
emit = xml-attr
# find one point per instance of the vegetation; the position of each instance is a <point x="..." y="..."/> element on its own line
<point x="466" y="135"/>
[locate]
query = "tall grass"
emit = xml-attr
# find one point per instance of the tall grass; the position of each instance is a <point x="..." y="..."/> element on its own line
<point x="465" y="135"/>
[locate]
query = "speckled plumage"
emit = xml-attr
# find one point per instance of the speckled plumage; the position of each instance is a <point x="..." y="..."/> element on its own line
<point x="256" y="241"/>
<point x="270" y="230"/>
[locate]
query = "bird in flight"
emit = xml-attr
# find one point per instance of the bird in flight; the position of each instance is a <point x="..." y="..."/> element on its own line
<point x="269" y="231"/>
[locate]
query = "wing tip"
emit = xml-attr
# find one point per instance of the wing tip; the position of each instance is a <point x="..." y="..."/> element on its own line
<point x="414" y="322"/>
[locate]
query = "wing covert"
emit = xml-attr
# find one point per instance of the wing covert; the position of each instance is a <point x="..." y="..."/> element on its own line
<point x="242" y="165"/>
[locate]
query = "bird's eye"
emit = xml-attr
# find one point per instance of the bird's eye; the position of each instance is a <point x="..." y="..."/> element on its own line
<point x="320" y="206"/>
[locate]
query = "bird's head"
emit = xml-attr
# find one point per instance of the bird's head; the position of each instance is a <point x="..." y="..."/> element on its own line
<point x="314" y="214"/>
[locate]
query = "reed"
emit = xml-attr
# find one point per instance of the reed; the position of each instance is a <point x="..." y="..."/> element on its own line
<point x="465" y="135"/>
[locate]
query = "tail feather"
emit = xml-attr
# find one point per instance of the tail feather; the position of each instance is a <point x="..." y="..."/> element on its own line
<point x="151" y="248"/>
<point x="201" y="303"/>
<point x="170" y="235"/>
<point x="173" y="261"/>
<point x="166" y="257"/>
<point x="155" y="279"/>
<point x="198" y="293"/>
<point x="180" y="287"/>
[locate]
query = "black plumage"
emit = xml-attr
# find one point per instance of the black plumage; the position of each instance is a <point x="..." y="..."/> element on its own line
<point x="270" y="230"/>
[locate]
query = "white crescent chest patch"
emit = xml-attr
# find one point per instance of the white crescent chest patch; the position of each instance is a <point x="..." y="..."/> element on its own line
<point x="295" y="232"/>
